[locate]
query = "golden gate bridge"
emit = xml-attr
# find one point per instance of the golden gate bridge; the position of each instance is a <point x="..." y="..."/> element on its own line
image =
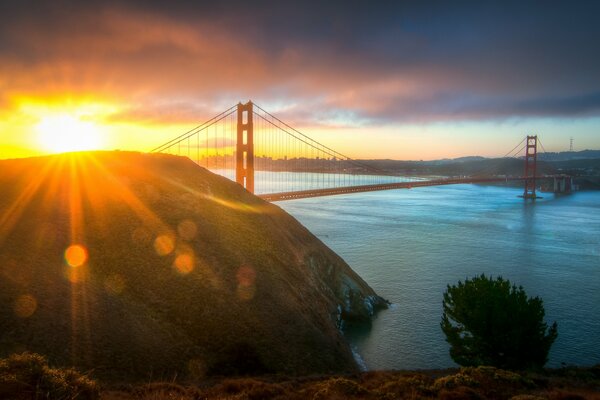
<point x="275" y="161"/>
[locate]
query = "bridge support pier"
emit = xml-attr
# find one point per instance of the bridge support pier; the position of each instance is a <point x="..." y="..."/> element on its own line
<point x="244" y="155"/>
<point x="530" y="167"/>
<point x="563" y="184"/>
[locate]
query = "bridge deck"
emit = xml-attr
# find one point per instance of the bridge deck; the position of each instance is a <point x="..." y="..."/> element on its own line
<point x="386" y="186"/>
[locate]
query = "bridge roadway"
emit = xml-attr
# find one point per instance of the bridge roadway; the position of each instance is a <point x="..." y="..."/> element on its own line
<point x="387" y="186"/>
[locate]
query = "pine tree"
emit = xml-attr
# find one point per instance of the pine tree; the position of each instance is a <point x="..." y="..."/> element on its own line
<point x="491" y="322"/>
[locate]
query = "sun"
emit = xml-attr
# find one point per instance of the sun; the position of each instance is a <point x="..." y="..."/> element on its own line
<point x="63" y="133"/>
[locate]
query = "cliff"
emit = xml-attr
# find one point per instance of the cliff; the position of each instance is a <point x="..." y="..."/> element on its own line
<point x="141" y="266"/>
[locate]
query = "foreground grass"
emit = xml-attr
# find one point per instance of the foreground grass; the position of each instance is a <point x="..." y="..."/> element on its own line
<point x="28" y="376"/>
<point x="466" y="383"/>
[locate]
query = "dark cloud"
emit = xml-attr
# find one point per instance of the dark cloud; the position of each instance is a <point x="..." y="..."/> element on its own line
<point x="322" y="62"/>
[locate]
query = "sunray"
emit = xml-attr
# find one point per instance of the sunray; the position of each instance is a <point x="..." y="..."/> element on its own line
<point x="123" y="193"/>
<point x="238" y="206"/>
<point x="14" y="212"/>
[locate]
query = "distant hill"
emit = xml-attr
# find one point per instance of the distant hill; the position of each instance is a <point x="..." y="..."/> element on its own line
<point x="454" y="160"/>
<point x="176" y="271"/>
<point x="469" y="166"/>
<point x="584" y="163"/>
<point x="570" y="155"/>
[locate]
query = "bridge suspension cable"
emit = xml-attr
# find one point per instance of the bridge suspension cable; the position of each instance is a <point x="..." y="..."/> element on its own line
<point x="195" y="130"/>
<point x="308" y="140"/>
<point x="271" y="158"/>
<point x="493" y="167"/>
<point x="288" y="160"/>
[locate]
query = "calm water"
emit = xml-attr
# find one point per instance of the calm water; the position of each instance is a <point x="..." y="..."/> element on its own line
<point x="409" y="244"/>
<point x="277" y="182"/>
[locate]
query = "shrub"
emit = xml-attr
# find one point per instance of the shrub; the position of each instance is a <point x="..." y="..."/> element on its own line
<point x="459" y="393"/>
<point x="247" y="388"/>
<point x="491" y="322"/>
<point x="488" y="382"/>
<point x="407" y="386"/>
<point x="28" y="376"/>
<point x="164" y="391"/>
<point x="457" y="380"/>
<point x="338" y="388"/>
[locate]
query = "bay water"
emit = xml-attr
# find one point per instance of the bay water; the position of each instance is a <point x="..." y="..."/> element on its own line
<point x="410" y="244"/>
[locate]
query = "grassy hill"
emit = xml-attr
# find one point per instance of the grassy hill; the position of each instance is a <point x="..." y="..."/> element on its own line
<point x="146" y="266"/>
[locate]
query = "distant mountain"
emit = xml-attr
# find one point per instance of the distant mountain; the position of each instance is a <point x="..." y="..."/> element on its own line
<point x="569" y="155"/>
<point x="576" y="163"/>
<point x="465" y="166"/>
<point x="455" y="160"/>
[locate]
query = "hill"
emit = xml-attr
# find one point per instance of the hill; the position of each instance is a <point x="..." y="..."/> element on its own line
<point x="569" y="155"/>
<point x="466" y="166"/>
<point x="147" y="266"/>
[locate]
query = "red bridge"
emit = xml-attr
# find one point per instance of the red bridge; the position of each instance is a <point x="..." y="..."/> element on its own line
<point x="277" y="162"/>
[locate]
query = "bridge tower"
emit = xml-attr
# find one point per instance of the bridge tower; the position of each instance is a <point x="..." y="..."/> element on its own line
<point x="244" y="155"/>
<point x="530" y="167"/>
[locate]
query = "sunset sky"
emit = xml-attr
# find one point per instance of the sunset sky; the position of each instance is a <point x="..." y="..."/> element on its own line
<point x="401" y="80"/>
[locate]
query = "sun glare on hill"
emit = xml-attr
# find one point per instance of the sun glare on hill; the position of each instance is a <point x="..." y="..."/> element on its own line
<point x="63" y="133"/>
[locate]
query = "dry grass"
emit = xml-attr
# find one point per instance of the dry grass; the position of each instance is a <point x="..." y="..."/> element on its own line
<point x="28" y="376"/>
<point x="481" y="383"/>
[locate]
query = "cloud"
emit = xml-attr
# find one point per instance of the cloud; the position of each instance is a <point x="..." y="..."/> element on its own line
<point x="318" y="63"/>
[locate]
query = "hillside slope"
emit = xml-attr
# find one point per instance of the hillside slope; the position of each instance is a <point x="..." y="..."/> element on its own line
<point x="141" y="266"/>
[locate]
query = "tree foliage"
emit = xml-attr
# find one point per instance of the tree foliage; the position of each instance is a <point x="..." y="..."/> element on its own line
<point x="491" y="322"/>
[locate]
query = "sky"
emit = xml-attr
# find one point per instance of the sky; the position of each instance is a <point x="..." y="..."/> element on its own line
<point x="371" y="79"/>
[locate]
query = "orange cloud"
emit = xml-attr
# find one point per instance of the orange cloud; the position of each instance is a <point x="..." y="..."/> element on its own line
<point x="316" y="65"/>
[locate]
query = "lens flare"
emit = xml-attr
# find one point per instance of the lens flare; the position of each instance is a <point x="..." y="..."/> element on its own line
<point x="164" y="245"/>
<point x="25" y="306"/>
<point x="246" y="277"/>
<point x="184" y="263"/>
<point x="76" y="255"/>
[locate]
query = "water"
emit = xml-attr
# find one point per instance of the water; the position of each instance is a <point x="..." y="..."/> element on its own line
<point x="285" y="181"/>
<point x="409" y="244"/>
